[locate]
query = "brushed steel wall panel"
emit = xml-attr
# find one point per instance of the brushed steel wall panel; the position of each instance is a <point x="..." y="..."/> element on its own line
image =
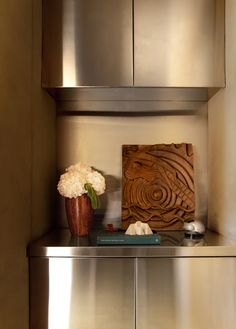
<point x="82" y="293"/>
<point x="196" y="293"/>
<point x="179" y="43"/>
<point x="87" y="43"/>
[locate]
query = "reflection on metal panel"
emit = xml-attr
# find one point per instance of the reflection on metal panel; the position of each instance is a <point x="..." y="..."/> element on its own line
<point x="82" y="293"/>
<point x="179" y="43"/>
<point x="60" y="279"/>
<point x="186" y="293"/>
<point x="87" y="43"/>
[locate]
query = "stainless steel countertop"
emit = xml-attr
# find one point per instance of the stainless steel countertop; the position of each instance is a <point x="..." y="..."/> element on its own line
<point x="60" y="243"/>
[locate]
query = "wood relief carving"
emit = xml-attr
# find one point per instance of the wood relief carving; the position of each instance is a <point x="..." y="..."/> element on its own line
<point x="158" y="185"/>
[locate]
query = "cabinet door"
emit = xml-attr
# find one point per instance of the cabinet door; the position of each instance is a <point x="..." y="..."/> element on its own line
<point x="81" y="293"/>
<point x="179" y="43"/>
<point x="187" y="293"/>
<point x="87" y="43"/>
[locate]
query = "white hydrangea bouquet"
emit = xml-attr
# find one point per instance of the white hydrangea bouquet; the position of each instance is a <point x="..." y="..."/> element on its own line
<point x="81" y="179"/>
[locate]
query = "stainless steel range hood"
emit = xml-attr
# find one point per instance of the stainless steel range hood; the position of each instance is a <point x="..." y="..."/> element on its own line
<point x="133" y="50"/>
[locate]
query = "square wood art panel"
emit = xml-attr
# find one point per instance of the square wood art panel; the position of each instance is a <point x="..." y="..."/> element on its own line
<point x="158" y="185"/>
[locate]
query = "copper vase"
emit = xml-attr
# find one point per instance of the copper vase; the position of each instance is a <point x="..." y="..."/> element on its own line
<point x="79" y="215"/>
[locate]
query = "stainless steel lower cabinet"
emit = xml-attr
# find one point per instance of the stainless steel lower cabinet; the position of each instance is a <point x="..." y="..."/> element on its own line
<point x="186" y="293"/>
<point x="132" y="293"/>
<point x="72" y="293"/>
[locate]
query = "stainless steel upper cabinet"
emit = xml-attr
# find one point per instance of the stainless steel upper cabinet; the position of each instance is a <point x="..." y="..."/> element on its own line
<point x="179" y="43"/>
<point x="87" y="43"/>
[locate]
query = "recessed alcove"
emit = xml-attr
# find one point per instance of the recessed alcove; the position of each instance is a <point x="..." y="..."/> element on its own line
<point x="97" y="140"/>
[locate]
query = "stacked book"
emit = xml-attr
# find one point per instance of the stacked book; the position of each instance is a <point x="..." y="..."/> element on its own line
<point x="125" y="239"/>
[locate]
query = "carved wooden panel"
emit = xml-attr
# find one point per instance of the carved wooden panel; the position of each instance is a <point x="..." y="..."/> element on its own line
<point x="158" y="185"/>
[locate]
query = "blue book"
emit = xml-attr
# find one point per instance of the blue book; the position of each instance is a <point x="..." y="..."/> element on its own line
<point x="125" y="239"/>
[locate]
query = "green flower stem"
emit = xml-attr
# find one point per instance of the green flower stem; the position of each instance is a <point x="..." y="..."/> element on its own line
<point x="92" y="195"/>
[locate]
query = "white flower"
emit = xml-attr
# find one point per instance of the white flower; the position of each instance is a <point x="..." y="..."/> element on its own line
<point x="97" y="181"/>
<point x="72" y="182"/>
<point x="80" y="167"/>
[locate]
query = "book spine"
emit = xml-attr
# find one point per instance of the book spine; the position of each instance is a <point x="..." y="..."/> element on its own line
<point x="128" y="240"/>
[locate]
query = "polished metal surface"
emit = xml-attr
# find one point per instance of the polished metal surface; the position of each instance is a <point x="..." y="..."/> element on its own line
<point x="133" y="94"/>
<point x="87" y="43"/>
<point x="180" y="284"/>
<point x="92" y="293"/>
<point x="130" y="100"/>
<point x="60" y="243"/>
<point x="196" y="293"/>
<point x="125" y="43"/>
<point x="179" y="43"/>
<point x="134" y="101"/>
<point x="132" y="108"/>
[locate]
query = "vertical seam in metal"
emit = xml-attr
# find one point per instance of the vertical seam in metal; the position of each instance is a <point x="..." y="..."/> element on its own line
<point x="133" y="36"/>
